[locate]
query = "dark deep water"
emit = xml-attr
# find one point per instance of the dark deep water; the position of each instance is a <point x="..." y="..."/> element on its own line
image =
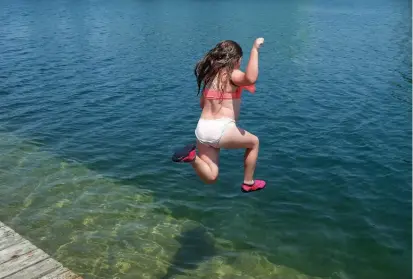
<point x="95" y="95"/>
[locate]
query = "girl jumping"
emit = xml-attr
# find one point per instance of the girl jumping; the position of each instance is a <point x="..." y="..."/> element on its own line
<point x="219" y="76"/>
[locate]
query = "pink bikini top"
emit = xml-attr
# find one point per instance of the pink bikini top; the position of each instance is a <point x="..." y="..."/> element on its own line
<point x="217" y="95"/>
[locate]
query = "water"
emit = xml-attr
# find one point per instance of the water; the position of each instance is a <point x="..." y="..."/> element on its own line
<point x="95" y="95"/>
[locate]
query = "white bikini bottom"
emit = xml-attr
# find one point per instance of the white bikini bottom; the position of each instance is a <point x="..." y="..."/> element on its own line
<point x="210" y="131"/>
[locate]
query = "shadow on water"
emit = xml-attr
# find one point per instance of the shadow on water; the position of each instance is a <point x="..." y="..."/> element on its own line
<point x="196" y="246"/>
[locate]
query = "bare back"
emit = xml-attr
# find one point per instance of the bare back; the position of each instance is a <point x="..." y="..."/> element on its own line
<point x="215" y="108"/>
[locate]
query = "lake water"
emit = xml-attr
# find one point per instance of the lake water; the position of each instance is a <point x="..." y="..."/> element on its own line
<point x="95" y="95"/>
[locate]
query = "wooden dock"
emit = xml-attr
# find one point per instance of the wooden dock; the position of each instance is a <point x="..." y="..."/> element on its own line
<point x="19" y="259"/>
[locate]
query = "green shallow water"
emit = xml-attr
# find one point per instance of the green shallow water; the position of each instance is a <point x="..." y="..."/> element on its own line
<point x="74" y="214"/>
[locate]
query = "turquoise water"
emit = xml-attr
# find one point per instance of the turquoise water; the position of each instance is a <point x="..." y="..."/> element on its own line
<point x="95" y="95"/>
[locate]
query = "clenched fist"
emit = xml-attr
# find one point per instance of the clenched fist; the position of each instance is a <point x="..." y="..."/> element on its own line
<point x="258" y="42"/>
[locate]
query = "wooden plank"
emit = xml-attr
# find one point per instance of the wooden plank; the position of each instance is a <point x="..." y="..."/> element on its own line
<point x="5" y="231"/>
<point x="20" y="259"/>
<point x="19" y="263"/>
<point x="15" y="251"/>
<point x="37" y="270"/>
<point x="8" y="237"/>
<point x="55" y="273"/>
<point x="61" y="273"/>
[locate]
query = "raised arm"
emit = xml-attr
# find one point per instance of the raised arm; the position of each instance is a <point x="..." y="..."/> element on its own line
<point x="251" y="74"/>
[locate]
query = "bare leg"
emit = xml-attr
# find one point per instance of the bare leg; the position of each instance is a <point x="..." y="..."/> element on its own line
<point x="236" y="137"/>
<point x="250" y="161"/>
<point x="201" y="168"/>
<point x="206" y="163"/>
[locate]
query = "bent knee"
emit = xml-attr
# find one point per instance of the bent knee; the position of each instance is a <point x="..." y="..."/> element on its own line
<point x="255" y="141"/>
<point x="211" y="179"/>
